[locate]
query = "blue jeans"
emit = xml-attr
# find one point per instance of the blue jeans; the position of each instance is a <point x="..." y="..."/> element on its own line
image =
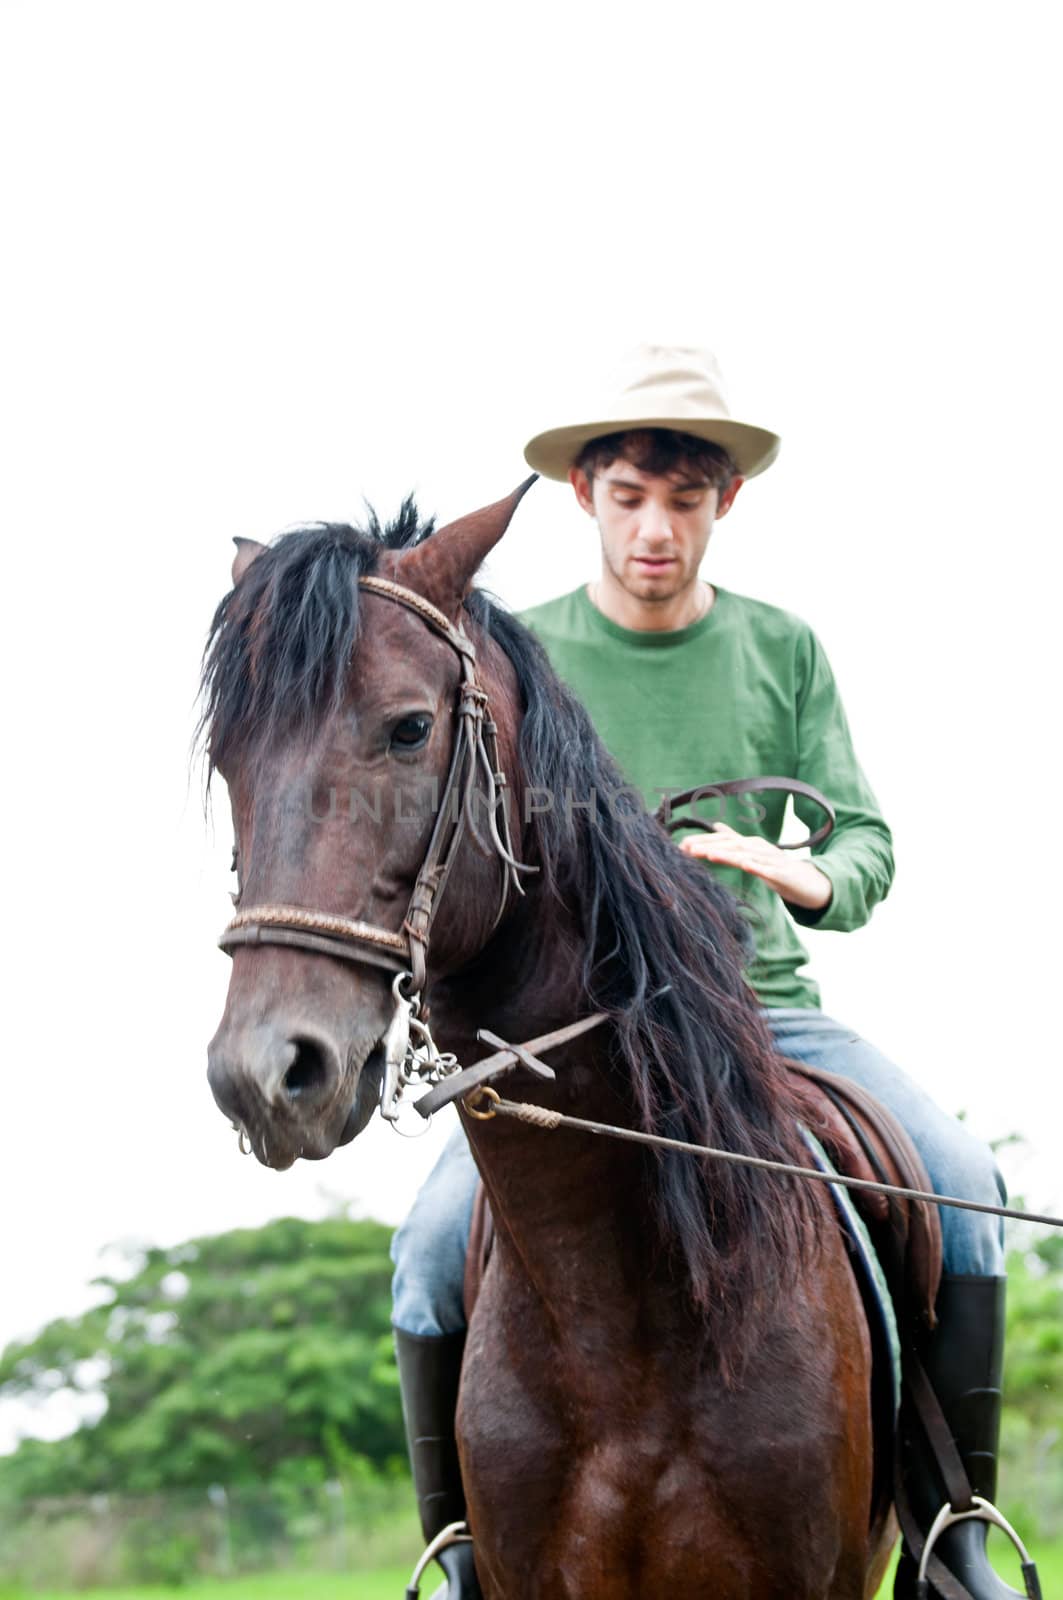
<point x="429" y="1249"/>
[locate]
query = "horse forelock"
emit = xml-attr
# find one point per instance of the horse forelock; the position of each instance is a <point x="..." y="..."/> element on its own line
<point x="280" y="643"/>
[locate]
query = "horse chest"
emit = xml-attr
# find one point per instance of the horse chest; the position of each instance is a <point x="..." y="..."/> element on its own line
<point x="615" y="1467"/>
<point x="630" y="1514"/>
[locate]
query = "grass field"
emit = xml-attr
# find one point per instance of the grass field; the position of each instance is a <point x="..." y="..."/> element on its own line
<point x="384" y="1584"/>
<point x="390" y="1584"/>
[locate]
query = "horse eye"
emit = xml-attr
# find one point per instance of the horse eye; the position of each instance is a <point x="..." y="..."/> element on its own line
<point x="411" y="733"/>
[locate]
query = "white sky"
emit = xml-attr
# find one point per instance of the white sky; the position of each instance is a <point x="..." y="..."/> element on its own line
<point x="262" y="260"/>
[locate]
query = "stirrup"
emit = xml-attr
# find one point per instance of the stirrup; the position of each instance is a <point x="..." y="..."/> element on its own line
<point x="981" y="1511"/>
<point x="458" y="1533"/>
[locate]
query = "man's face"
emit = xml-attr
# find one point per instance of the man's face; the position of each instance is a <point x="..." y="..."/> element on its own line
<point x="654" y="530"/>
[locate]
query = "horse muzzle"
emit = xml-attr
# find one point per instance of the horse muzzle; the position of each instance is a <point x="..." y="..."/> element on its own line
<point x="291" y="1091"/>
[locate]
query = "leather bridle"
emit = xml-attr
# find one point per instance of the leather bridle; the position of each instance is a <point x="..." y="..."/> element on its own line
<point x="475" y="753"/>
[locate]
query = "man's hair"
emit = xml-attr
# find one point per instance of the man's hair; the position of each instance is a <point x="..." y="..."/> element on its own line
<point x="660" y="451"/>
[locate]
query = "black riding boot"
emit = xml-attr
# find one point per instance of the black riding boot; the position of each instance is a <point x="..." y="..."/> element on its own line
<point x="429" y="1373"/>
<point x="963" y="1361"/>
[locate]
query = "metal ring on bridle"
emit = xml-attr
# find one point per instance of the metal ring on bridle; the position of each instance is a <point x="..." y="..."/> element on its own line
<point x="484" y="1092"/>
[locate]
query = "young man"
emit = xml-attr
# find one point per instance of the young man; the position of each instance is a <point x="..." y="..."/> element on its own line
<point x="688" y="684"/>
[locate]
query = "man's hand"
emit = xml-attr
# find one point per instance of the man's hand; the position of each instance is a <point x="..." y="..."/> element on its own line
<point x="796" y="879"/>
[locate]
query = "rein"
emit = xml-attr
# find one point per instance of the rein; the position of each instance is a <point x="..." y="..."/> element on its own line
<point x="480" y="1100"/>
<point x="485" y="1103"/>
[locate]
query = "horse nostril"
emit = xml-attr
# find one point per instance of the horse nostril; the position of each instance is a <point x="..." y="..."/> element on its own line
<point x="308" y="1071"/>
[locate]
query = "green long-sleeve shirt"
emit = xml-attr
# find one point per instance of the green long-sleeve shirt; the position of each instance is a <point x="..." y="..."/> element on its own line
<point x="747" y="691"/>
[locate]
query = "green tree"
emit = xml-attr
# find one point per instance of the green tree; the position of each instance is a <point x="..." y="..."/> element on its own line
<point x="226" y="1359"/>
<point x="1033" y="1384"/>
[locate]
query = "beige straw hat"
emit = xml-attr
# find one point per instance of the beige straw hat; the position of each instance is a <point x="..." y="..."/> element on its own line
<point x="659" y="386"/>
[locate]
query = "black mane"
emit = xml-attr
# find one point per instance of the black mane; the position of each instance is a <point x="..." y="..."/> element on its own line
<point x="272" y="668"/>
<point x="666" y="945"/>
<point x="665" y="955"/>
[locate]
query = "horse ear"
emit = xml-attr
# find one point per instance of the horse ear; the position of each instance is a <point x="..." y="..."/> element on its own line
<point x="443" y="567"/>
<point x="247" y="550"/>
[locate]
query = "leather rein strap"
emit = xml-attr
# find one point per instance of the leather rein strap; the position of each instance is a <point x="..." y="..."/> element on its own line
<point x="475" y="754"/>
<point x="708" y="791"/>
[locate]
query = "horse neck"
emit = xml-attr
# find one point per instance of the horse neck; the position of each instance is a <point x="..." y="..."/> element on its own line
<point x="557" y="1197"/>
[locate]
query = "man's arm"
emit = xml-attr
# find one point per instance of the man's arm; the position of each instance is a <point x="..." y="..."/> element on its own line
<point x="852" y="871"/>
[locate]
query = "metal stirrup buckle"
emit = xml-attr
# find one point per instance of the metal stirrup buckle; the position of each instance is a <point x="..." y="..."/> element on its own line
<point x="453" y="1533"/>
<point x="981" y="1511"/>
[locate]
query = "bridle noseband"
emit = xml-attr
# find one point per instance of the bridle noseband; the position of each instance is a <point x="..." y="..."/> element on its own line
<point x="405" y="953"/>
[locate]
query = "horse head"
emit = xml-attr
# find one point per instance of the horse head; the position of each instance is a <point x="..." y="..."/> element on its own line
<point x="343" y="709"/>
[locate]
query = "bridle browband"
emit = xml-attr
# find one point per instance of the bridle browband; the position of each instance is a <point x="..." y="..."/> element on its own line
<point x="475" y="754"/>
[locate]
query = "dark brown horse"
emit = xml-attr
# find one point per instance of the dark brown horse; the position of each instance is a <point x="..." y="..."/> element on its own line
<point x="667" y="1378"/>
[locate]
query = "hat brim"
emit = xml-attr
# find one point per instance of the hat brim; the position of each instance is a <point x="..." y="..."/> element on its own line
<point x="752" y="449"/>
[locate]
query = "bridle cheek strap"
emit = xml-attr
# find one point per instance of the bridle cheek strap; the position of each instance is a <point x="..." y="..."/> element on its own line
<point x="475" y="754"/>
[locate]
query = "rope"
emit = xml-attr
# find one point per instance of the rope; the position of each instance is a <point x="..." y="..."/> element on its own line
<point x="539" y="1116"/>
<point x="543" y="1117"/>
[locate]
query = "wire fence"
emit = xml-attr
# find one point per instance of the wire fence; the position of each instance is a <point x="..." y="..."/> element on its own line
<point x="104" y="1540"/>
<point x="341" y="1525"/>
